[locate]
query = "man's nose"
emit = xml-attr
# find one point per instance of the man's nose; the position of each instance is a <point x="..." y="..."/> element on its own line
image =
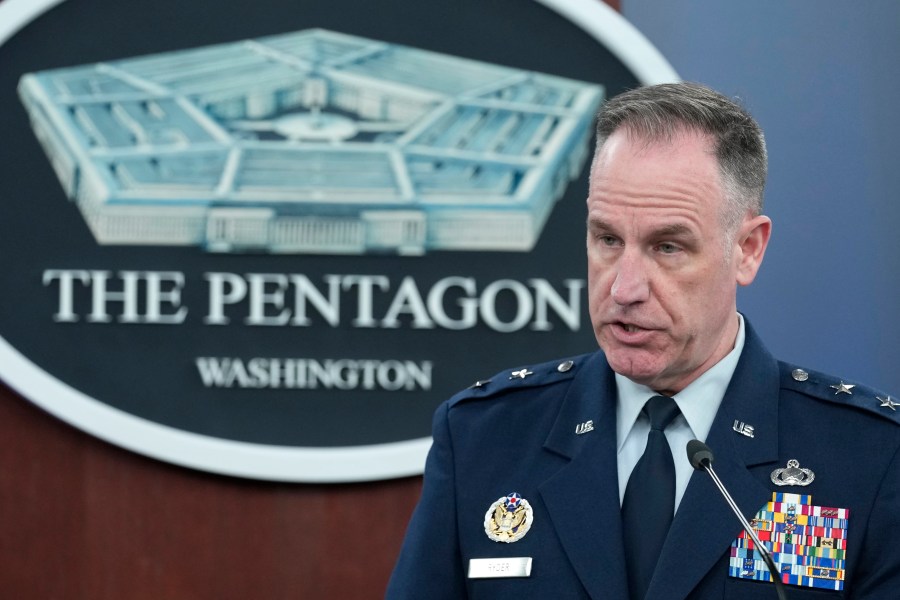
<point x="631" y="284"/>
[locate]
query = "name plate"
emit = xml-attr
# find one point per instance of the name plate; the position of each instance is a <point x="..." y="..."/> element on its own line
<point x="514" y="566"/>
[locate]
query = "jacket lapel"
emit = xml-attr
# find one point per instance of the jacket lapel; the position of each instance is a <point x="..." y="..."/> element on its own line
<point x="583" y="497"/>
<point x="704" y="525"/>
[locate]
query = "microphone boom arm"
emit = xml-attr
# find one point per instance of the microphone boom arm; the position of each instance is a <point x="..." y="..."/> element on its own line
<point x="700" y="457"/>
<point x="767" y="556"/>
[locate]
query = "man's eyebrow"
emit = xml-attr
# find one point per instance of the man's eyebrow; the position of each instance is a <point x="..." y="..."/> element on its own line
<point x="675" y="229"/>
<point x="671" y="230"/>
<point x="598" y="225"/>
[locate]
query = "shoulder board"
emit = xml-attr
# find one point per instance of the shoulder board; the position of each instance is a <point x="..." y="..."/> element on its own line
<point x="840" y="391"/>
<point x="521" y="378"/>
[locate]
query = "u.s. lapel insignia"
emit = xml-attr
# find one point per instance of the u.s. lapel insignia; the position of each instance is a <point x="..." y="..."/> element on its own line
<point x="743" y="429"/>
<point x="808" y="543"/>
<point x="792" y="474"/>
<point x="584" y="427"/>
<point x="508" y="519"/>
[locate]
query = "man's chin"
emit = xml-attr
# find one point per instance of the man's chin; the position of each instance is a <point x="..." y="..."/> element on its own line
<point x="642" y="372"/>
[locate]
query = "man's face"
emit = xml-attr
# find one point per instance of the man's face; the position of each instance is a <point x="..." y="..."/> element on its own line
<point x="661" y="275"/>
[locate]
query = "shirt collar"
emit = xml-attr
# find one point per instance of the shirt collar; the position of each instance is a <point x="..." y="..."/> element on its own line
<point x="698" y="402"/>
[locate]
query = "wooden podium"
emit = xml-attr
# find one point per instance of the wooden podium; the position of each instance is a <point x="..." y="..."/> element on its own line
<point x="83" y="519"/>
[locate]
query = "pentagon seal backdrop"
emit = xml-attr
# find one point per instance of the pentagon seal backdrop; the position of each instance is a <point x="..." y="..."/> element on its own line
<point x="266" y="240"/>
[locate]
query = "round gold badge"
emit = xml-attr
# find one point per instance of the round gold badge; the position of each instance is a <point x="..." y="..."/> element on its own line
<point x="508" y="519"/>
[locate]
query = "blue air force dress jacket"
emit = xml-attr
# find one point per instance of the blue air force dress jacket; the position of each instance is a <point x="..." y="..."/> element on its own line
<point x="525" y="433"/>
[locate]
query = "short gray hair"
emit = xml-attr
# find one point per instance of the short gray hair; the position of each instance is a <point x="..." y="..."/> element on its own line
<point x="659" y="112"/>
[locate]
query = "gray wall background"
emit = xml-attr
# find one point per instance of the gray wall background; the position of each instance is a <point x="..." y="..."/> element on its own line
<point x="821" y="76"/>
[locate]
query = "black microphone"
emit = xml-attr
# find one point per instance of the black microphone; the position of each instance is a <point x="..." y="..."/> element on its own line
<point x="701" y="458"/>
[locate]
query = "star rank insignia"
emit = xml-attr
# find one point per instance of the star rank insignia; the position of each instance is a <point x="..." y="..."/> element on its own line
<point x="508" y="519"/>
<point x="888" y="403"/>
<point x="843" y="388"/>
<point x="521" y="374"/>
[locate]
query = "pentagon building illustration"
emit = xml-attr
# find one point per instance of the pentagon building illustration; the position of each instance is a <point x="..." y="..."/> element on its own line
<point x="312" y="142"/>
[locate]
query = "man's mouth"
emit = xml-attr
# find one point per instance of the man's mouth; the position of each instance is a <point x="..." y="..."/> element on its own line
<point x="629" y="333"/>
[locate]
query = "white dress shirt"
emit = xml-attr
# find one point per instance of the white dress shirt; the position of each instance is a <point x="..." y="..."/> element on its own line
<point x="698" y="403"/>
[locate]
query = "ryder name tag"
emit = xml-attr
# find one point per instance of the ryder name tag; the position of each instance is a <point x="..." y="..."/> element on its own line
<point x="512" y="566"/>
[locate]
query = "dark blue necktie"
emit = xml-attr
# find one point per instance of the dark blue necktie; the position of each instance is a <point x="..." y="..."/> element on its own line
<point x="649" y="502"/>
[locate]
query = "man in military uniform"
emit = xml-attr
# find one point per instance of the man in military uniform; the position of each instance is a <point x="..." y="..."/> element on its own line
<point x="570" y="479"/>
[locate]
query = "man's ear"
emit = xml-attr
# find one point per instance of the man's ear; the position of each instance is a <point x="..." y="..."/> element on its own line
<point x="753" y="237"/>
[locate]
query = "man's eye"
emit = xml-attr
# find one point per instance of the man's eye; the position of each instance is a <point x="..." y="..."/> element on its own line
<point x="608" y="240"/>
<point x="667" y="248"/>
